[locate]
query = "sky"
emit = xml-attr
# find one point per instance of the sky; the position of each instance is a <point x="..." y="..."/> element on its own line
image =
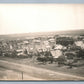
<point x="26" y="18"/>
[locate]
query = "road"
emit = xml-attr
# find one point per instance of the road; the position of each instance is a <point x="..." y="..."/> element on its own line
<point x="34" y="73"/>
<point x="9" y="74"/>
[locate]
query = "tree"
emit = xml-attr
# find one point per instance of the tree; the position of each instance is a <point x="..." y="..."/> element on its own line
<point x="80" y="54"/>
<point x="65" y="41"/>
<point x="14" y="53"/>
<point x="25" y="51"/>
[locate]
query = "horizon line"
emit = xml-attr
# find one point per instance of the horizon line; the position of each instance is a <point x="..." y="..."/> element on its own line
<point x="41" y="32"/>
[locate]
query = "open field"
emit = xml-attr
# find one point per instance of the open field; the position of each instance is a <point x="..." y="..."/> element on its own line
<point x="36" y="71"/>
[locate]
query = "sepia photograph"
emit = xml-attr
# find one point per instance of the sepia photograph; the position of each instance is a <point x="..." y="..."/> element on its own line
<point x="42" y="42"/>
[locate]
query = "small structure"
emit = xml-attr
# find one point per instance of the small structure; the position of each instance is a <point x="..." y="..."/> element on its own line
<point x="58" y="47"/>
<point x="52" y="42"/>
<point x="25" y="42"/>
<point x="36" y="41"/>
<point x="46" y="43"/>
<point x="79" y="44"/>
<point x="56" y="53"/>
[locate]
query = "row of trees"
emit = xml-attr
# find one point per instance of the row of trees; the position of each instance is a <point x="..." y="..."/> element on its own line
<point x="65" y="41"/>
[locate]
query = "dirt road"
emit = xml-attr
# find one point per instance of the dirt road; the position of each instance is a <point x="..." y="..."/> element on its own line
<point x="33" y="73"/>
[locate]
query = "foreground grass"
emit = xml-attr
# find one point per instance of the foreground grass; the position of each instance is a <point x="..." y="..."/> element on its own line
<point x="32" y="62"/>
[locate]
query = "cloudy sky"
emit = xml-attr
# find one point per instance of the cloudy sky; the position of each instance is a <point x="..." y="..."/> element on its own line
<point x="25" y="18"/>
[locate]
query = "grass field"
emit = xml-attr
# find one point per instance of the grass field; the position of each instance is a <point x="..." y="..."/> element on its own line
<point x="54" y="67"/>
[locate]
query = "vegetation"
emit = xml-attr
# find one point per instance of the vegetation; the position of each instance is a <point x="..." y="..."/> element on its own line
<point x="65" y="41"/>
<point x="80" y="54"/>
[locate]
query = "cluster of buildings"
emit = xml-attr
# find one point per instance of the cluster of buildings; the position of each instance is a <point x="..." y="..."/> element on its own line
<point x="51" y="43"/>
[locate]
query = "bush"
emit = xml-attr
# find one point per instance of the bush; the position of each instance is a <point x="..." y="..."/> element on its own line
<point x="70" y="55"/>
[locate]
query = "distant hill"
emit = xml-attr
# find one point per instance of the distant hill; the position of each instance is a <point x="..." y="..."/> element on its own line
<point x="40" y="34"/>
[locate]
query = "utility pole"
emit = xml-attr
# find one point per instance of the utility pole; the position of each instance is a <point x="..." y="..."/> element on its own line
<point x="22" y="75"/>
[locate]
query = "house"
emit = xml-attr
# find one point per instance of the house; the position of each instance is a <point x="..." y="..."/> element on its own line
<point x="79" y="44"/>
<point x="25" y="42"/>
<point x="46" y="42"/>
<point x="56" y="53"/>
<point x="36" y="44"/>
<point x="52" y="42"/>
<point x="36" y="41"/>
<point x="58" y="47"/>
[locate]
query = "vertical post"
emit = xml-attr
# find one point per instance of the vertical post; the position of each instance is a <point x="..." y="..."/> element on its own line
<point x="22" y="75"/>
